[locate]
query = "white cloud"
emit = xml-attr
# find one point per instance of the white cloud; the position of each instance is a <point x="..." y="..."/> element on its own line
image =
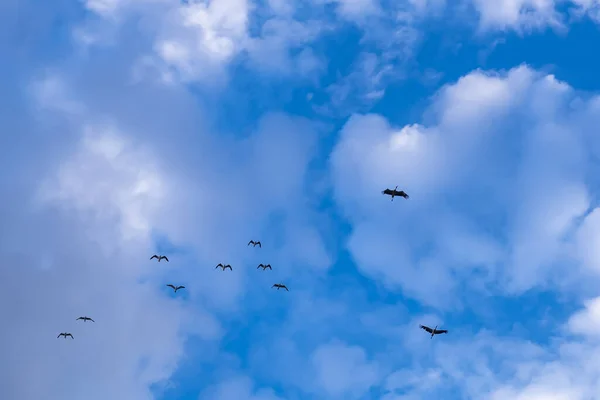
<point x="344" y="371"/>
<point x="458" y="163"/>
<point x="587" y="321"/>
<point x="238" y="388"/>
<point x="111" y="180"/>
<point x="520" y="15"/>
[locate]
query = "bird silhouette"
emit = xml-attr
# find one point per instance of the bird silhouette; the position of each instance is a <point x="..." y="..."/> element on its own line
<point x="85" y="319"/>
<point x="433" y="331"/>
<point x="254" y="244"/>
<point x="65" y="334"/>
<point x="176" y="288"/>
<point x="263" y="266"/>
<point x="280" y="286"/>
<point x="395" y="192"/>
<point x="159" y="257"/>
<point x="224" y="266"/>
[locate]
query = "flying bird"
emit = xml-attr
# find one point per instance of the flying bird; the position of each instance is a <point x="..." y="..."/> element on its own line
<point x="280" y="286"/>
<point x="65" y="334"/>
<point x="433" y="331"/>
<point x="263" y="266"/>
<point x="159" y="258"/>
<point x="254" y="244"/>
<point x="176" y="288"/>
<point x="395" y="192"/>
<point x="223" y="266"/>
<point x="85" y="319"/>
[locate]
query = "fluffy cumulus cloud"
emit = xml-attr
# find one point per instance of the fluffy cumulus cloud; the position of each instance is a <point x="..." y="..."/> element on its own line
<point x="466" y="167"/>
<point x="138" y="127"/>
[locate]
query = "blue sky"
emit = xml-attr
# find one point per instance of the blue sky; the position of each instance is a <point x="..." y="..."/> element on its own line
<point x="134" y="127"/>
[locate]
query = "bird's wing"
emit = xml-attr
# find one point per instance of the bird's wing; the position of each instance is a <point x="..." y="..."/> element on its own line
<point x="259" y="244"/>
<point x="91" y="320"/>
<point x="228" y="266"/>
<point x="269" y="266"/>
<point x="218" y="265"/>
<point x="387" y="191"/>
<point x="165" y="257"/>
<point x="171" y="286"/>
<point x="68" y="334"/>
<point x="180" y="287"/>
<point x="59" y="335"/>
<point x="260" y="265"/>
<point x="440" y="331"/>
<point x="154" y="256"/>
<point x="403" y="194"/>
<point x="275" y="285"/>
<point x="285" y="287"/>
<point x="428" y="329"/>
<point x="79" y="318"/>
<point x="250" y="242"/>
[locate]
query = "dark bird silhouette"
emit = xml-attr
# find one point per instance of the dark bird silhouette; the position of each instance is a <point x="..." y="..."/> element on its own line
<point x="224" y="266"/>
<point x="65" y="334"/>
<point x="176" y="288"/>
<point x="395" y="192"/>
<point x="254" y="244"/>
<point x="85" y="319"/>
<point x="159" y="258"/>
<point x="433" y="331"/>
<point x="263" y="266"/>
<point x="280" y="286"/>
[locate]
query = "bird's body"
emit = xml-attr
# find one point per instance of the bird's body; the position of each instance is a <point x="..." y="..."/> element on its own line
<point x="254" y="244"/>
<point x="395" y="192"/>
<point x="175" y="288"/>
<point x="65" y="334"/>
<point x="263" y="266"/>
<point x="159" y="257"/>
<point x="433" y="331"/>
<point x="224" y="266"/>
<point x="280" y="286"/>
<point x="85" y="319"/>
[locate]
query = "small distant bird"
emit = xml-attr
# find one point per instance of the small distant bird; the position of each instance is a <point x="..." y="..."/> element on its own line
<point x="263" y="266"/>
<point x="254" y="244"/>
<point x="85" y="319"/>
<point x="433" y="331"/>
<point x="65" y="334"/>
<point x="176" y="288"/>
<point x="395" y="192"/>
<point x="280" y="286"/>
<point x="224" y="266"/>
<point x="159" y="258"/>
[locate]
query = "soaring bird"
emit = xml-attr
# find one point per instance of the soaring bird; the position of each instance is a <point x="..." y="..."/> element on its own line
<point x="65" y="334"/>
<point x="254" y="244"/>
<point x="263" y="266"/>
<point x="433" y="331"/>
<point x="223" y="266"/>
<point x="395" y="192"/>
<point x="159" y="258"/>
<point x="280" y="286"/>
<point x="85" y="319"/>
<point x="176" y="288"/>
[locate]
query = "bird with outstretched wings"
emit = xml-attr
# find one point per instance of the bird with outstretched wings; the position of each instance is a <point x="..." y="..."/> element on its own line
<point x="65" y="334"/>
<point x="263" y="266"/>
<point x="85" y="319"/>
<point x="159" y="257"/>
<point x="280" y="286"/>
<point x="223" y="267"/>
<point x="433" y="331"/>
<point x="395" y="192"/>
<point x="175" y="288"/>
<point x="254" y="244"/>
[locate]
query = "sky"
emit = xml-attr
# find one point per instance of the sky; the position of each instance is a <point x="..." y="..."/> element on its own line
<point x="187" y="128"/>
